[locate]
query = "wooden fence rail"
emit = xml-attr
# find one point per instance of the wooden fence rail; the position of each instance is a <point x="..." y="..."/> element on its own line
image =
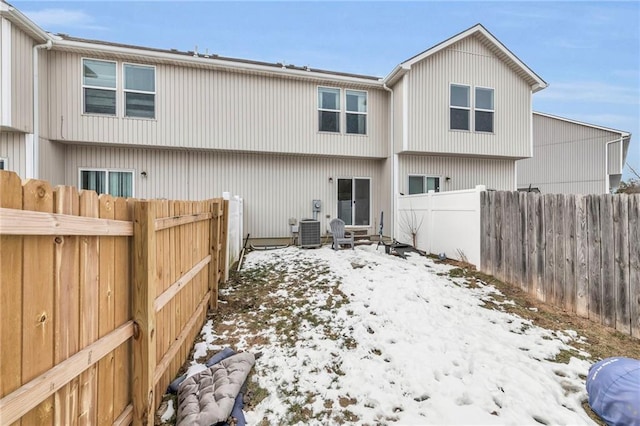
<point x="581" y="253"/>
<point x="100" y="300"/>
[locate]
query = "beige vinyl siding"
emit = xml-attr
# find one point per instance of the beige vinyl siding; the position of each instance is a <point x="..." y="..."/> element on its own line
<point x="52" y="162"/>
<point x="398" y="113"/>
<point x="464" y="173"/>
<point x="274" y="187"/>
<point x="12" y="147"/>
<point x="569" y="157"/>
<point x="206" y="109"/>
<point x="5" y="72"/>
<point x="21" y="80"/>
<point x="467" y="62"/>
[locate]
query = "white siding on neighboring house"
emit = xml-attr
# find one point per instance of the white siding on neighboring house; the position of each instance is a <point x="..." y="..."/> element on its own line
<point x="471" y="63"/>
<point x="274" y="187"/>
<point x="212" y="109"/>
<point x="12" y="147"/>
<point x="463" y="173"/>
<point x="52" y="160"/>
<point x="571" y="157"/>
<point x="5" y="72"/>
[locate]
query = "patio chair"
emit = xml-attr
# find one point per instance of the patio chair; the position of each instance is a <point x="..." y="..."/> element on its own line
<point x="340" y="236"/>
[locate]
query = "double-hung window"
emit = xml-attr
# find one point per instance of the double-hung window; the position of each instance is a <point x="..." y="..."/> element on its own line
<point x="460" y="107"/>
<point x="356" y="112"/>
<point x="139" y="91"/>
<point x="330" y="111"/>
<point x="483" y="119"/>
<point x="461" y="113"/>
<point x="118" y="183"/>
<point x="99" y="86"/>
<point x="3" y="163"/>
<point x="421" y="184"/>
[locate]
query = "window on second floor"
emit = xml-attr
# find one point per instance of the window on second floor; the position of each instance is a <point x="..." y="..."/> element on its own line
<point x="484" y="110"/>
<point x="421" y="184"/>
<point x="99" y="86"/>
<point x="139" y="91"/>
<point x="460" y="110"/>
<point x="330" y="111"/>
<point x="118" y="183"/>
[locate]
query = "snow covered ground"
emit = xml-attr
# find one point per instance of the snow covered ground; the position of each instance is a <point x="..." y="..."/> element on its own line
<point x="367" y="338"/>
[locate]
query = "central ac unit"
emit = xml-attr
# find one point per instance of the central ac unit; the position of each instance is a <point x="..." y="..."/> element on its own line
<point x="309" y="233"/>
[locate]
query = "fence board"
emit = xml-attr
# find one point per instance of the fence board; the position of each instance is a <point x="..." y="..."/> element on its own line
<point x="533" y="251"/>
<point x="19" y="222"/>
<point x="634" y="264"/>
<point x="608" y="261"/>
<point x="582" y="256"/>
<point x="549" y="245"/>
<point x="595" y="274"/>
<point x="523" y="265"/>
<point x="89" y="254"/>
<point x="67" y="303"/>
<point x="570" y="253"/>
<point x="106" y="311"/>
<point x="10" y="293"/>
<point x="621" y="266"/>
<point x="558" y="245"/>
<point x="540" y="246"/>
<point x="38" y="302"/>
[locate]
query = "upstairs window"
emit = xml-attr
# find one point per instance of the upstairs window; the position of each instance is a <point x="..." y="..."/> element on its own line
<point x="328" y="109"/>
<point x="356" y="112"/>
<point x="484" y="110"/>
<point x="460" y="107"/>
<point x="99" y="86"/>
<point x="115" y="182"/>
<point x="420" y="184"/>
<point x="139" y="91"/>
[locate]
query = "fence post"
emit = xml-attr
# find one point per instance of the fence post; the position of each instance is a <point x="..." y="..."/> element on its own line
<point x="224" y="236"/>
<point x="215" y="247"/>
<point x="144" y="291"/>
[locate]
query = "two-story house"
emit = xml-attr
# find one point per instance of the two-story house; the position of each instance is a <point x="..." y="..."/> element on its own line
<point x="152" y="123"/>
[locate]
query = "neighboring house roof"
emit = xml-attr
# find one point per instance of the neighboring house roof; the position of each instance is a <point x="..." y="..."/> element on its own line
<point x="581" y="123"/>
<point x="488" y="40"/>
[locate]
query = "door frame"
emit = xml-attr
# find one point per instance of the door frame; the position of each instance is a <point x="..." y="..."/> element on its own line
<point x="353" y="192"/>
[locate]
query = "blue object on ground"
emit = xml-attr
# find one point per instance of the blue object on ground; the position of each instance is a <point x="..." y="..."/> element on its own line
<point x="237" y="412"/>
<point x="224" y="354"/>
<point x="613" y="385"/>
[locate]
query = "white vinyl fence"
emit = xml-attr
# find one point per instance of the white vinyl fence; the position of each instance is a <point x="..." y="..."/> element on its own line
<point x="442" y="222"/>
<point x="234" y="230"/>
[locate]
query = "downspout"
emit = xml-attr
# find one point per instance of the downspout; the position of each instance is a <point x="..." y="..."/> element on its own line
<point x="35" y="157"/>
<point x="394" y="160"/>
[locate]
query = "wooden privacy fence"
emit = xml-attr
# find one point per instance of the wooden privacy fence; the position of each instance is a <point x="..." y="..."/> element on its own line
<point x="581" y="253"/>
<point x="100" y="300"/>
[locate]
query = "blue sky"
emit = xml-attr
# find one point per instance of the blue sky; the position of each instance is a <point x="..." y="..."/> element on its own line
<point x="588" y="52"/>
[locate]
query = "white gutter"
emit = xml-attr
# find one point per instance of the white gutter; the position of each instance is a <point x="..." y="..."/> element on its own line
<point x="23" y="21"/>
<point x="35" y="149"/>
<point x="216" y="63"/>
<point x="394" y="168"/>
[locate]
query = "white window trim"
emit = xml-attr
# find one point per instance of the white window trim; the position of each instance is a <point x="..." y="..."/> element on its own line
<point x="339" y="110"/>
<point x="342" y="111"/>
<point x="82" y="59"/>
<point x="154" y="93"/>
<point x="469" y="109"/>
<point x="5" y="163"/>
<point x="424" y="178"/>
<point x="475" y="108"/>
<point x="346" y="111"/>
<point x="107" y="170"/>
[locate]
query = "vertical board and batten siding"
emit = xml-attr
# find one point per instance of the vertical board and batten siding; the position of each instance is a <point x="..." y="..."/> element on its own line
<point x="275" y="188"/>
<point x="398" y="114"/>
<point x="471" y="63"/>
<point x="577" y="252"/>
<point x="568" y="157"/>
<point x="214" y="109"/>
<point x="13" y="148"/>
<point x="52" y="160"/>
<point x="21" y="80"/>
<point x="465" y="173"/>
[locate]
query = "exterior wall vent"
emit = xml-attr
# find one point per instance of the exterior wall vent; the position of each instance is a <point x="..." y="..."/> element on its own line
<point x="309" y="233"/>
